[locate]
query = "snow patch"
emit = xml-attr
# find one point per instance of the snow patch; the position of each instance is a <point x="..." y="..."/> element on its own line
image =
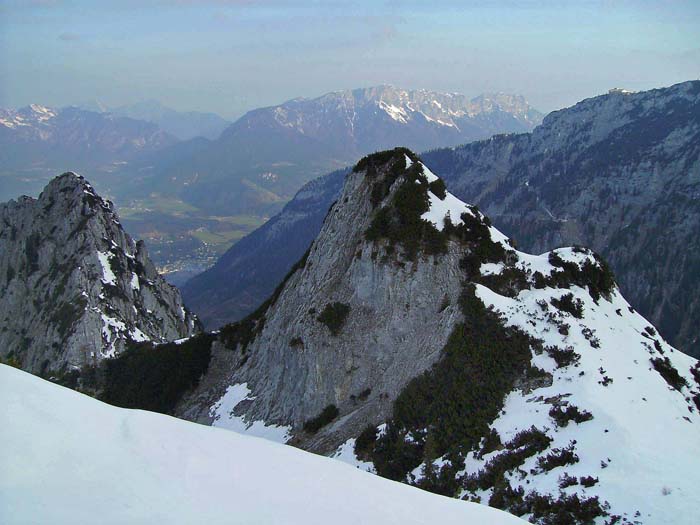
<point x="222" y="412"/>
<point x="108" y="276"/>
<point x="396" y="113"/>
<point x="346" y="454"/>
<point x="441" y="208"/>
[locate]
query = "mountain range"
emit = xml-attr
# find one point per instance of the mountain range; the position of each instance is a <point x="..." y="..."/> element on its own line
<point x="619" y="172"/>
<point x="184" y="125"/>
<point x="265" y="156"/>
<point x="37" y="141"/>
<point x="192" y="199"/>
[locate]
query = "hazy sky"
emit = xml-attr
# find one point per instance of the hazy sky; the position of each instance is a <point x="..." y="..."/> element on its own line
<point x="228" y="56"/>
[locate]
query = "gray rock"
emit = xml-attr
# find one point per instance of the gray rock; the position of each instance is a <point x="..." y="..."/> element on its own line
<point x="74" y="287"/>
<point x="399" y="320"/>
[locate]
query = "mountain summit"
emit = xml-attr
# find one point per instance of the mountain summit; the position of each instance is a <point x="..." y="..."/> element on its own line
<point x="415" y="341"/>
<point x="74" y="287"/>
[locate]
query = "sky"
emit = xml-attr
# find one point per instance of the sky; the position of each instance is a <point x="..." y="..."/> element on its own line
<point x="229" y="56"/>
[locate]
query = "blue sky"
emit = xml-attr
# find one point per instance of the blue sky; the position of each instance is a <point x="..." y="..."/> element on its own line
<point x="228" y="56"/>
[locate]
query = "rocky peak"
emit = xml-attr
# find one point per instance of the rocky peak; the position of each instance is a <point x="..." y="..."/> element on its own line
<point x="413" y="340"/>
<point x="74" y="287"/>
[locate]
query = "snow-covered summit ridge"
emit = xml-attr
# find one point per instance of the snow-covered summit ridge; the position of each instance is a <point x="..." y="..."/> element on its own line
<point x="451" y="208"/>
<point x="352" y="123"/>
<point x="34" y="114"/>
<point x="161" y="469"/>
<point x="404" y="105"/>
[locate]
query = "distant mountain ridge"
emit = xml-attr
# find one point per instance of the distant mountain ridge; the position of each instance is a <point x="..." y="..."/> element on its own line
<point x="374" y="118"/>
<point x="38" y="141"/>
<point x="80" y="130"/>
<point x="263" y="158"/>
<point x="184" y="125"/>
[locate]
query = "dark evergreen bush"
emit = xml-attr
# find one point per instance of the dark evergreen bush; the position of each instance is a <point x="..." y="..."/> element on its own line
<point x="365" y="441"/>
<point x="525" y="444"/>
<point x="380" y="158"/>
<point x="566" y="303"/>
<point x="437" y="187"/>
<point x="588" y="481"/>
<point x="562" y="416"/>
<point x="154" y="377"/>
<point x="569" y="510"/>
<point x="533" y="439"/>
<point x="567" y="481"/>
<point x="664" y="367"/>
<point x="597" y="276"/>
<point x="492" y="442"/>
<point x="563" y="357"/>
<point x="334" y="316"/>
<point x="327" y="415"/>
<point x="558" y="458"/>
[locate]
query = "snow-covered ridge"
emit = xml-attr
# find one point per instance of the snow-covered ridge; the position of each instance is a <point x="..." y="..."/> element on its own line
<point x="155" y="468"/>
<point x="441" y="209"/>
<point x="604" y="373"/>
<point x="620" y="377"/>
<point x="34" y="114"/>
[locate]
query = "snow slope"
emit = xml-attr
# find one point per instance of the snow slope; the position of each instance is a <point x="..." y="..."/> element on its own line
<point x="642" y="443"/>
<point x="67" y="458"/>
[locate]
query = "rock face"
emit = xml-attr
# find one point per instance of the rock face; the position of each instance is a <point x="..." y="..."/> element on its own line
<point x="413" y="340"/>
<point x="619" y="173"/>
<point x="74" y="287"/>
<point x="380" y="343"/>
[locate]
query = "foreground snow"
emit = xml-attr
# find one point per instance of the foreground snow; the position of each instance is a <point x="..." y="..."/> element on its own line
<point x="67" y="458"/>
